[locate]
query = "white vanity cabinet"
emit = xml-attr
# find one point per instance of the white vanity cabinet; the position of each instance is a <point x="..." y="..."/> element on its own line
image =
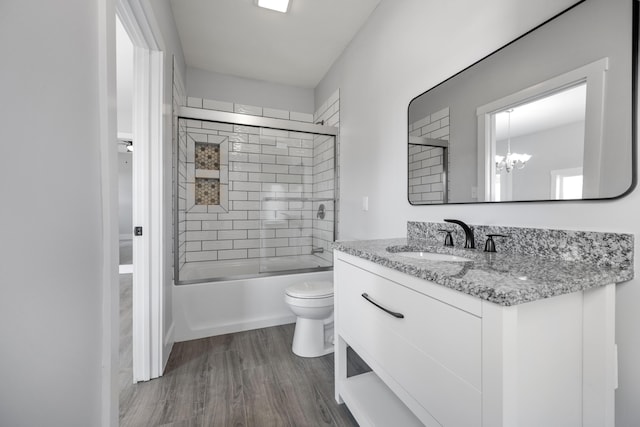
<point x="444" y="358"/>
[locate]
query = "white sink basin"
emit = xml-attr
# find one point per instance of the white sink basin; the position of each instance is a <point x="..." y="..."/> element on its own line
<point x="432" y="256"/>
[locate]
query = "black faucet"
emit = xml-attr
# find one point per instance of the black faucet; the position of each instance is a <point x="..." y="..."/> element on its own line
<point x="469" y="241"/>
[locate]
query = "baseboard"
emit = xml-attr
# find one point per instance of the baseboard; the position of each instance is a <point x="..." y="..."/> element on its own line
<point x="231" y="328"/>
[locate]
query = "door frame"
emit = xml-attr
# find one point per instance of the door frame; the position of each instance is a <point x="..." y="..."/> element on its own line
<point x="150" y="262"/>
<point x="148" y="308"/>
<point x="148" y="195"/>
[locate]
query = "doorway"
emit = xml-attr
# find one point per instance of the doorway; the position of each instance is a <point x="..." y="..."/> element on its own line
<point x="142" y="131"/>
<point x="124" y="114"/>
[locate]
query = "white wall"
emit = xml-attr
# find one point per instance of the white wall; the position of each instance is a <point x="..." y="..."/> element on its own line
<point x="383" y="69"/>
<point x="50" y="215"/>
<point x="124" y="77"/>
<point x="125" y="197"/>
<point x="172" y="45"/>
<point x="208" y="85"/>
<point x="561" y="147"/>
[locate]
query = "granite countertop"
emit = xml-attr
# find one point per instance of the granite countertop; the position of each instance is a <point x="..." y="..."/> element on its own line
<point x="502" y="278"/>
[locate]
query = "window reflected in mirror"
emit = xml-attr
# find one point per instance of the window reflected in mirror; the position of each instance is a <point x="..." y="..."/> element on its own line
<point x="526" y="137"/>
<point x="536" y="143"/>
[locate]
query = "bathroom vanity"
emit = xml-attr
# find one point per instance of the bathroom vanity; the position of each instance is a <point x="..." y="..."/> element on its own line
<point x="477" y="339"/>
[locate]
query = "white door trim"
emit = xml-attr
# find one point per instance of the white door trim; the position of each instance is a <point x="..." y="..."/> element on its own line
<point x="148" y="212"/>
<point x="156" y="213"/>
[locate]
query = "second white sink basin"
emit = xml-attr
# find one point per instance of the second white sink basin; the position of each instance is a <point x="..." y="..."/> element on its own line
<point x="432" y="256"/>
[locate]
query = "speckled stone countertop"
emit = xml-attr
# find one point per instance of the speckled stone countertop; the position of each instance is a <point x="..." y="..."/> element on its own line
<point x="502" y="278"/>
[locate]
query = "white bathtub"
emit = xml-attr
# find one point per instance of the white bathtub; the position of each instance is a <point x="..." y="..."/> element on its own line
<point x="214" y="308"/>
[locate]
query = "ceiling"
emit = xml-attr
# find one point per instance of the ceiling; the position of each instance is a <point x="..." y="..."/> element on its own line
<point x="236" y="37"/>
<point x="559" y="109"/>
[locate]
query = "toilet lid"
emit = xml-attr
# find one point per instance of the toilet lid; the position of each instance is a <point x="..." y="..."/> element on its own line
<point x="319" y="289"/>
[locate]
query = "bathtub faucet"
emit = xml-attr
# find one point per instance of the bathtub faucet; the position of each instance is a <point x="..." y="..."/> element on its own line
<point x="317" y="250"/>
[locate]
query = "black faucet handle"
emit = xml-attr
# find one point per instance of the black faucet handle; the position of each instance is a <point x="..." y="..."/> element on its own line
<point x="448" y="239"/>
<point x="490" y="245"/>
<point x="469" y="240"/>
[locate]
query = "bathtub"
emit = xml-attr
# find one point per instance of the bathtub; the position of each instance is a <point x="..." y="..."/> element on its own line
<point x="250" y="298"/>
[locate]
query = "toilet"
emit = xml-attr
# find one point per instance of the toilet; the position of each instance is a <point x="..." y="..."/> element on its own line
<point x="312" y="302"/>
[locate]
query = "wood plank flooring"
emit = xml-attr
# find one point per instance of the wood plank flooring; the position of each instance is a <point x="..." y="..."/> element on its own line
<point x="244" y="379"/>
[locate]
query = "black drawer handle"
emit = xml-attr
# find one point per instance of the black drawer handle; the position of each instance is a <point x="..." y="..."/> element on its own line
<point x="393" y="313"/>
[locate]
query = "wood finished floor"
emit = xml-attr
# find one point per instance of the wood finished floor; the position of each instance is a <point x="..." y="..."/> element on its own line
<point x="244" y="379"/>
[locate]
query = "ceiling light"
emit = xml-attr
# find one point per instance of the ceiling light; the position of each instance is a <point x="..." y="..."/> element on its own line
<point x="277" y="5"/>
<point x="512" y="160"/>
<point x="126" y="145"/>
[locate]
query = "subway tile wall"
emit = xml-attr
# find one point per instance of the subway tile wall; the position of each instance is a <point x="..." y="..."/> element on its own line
<point x="272" y="174"/>
<point x="426" y="184"/>
<point x="326" y="180"/>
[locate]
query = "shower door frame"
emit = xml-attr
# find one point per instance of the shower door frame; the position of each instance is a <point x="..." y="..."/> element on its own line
<point x="191" y="113"/>
<point x="258" y="121"/>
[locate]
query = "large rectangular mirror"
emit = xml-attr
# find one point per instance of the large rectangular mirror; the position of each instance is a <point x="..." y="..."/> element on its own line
<point x="550" y="116"/>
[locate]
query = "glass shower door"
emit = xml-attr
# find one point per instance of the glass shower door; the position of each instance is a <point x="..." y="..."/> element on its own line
<point x="297" y="202"/>
<point x="251" y="201"/>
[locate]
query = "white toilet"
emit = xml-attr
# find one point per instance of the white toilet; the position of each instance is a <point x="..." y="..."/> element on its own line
<point x="312" y="302"/>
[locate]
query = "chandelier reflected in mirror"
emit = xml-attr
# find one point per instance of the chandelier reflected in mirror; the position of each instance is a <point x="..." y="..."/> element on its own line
<point x="511" y="160"/>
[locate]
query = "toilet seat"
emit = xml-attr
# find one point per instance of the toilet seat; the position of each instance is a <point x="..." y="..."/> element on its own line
<point x="311" y="290"/>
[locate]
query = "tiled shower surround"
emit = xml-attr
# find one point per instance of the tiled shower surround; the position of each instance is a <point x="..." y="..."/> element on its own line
<point x="269" y="181"/>
<point x="426" y="184"/>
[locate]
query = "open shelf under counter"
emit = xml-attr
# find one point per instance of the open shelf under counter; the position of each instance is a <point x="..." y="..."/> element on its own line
<point x="372" y="403"/>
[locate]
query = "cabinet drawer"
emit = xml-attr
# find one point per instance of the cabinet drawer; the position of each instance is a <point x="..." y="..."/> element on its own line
<point x="434" y="351"/>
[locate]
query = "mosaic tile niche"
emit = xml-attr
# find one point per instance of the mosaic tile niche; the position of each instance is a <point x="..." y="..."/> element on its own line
<point x="207" y="156"/>
<point x="206" y="170"/>
<point x="207" y="191"/>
